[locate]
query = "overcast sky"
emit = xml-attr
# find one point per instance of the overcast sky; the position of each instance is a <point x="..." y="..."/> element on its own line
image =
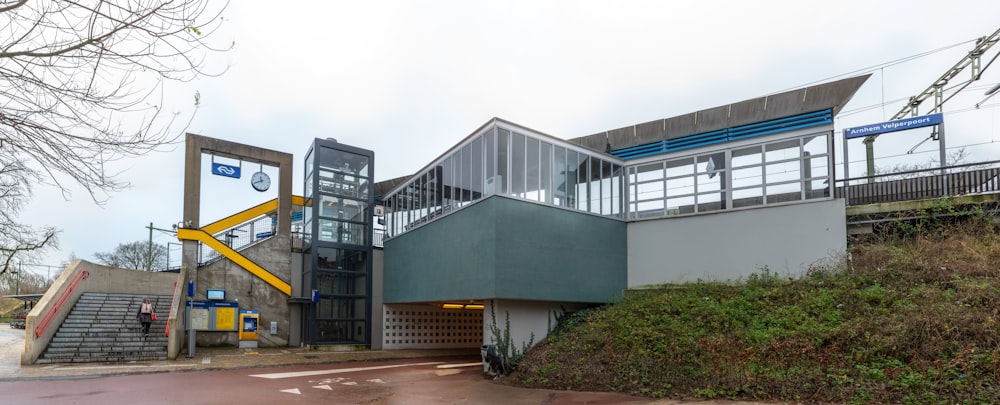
<point x="410" y="79"/>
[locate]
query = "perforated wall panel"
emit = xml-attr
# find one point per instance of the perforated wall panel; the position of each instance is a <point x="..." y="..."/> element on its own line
<point x="428" y="327"/>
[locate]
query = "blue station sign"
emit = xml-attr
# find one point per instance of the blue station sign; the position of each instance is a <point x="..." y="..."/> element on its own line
<point x="220" y="169"/>
<point x="893" y="126"/>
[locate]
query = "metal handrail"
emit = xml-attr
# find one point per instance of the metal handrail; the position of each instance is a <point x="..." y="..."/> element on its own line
<point x="918" y="171"/>
<point x="42" y="326"/>
<point x="909" y="185"/>
<point x="239" y="237"/>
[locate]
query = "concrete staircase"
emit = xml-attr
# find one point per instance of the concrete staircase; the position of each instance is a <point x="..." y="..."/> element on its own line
<point x="103" y="328"/>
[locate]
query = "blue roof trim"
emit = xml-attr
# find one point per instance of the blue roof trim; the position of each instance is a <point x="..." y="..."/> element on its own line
<point x="727" y="135"/>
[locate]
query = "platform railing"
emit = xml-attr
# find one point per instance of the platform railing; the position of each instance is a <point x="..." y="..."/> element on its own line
<point x="949" y="181"/>
<point x="239" y="237"/>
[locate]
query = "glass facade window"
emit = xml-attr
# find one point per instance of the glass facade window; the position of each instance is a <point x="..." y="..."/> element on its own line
<point x="779" y="171"/>
<point x="524" y="165"/>
<point x="517" y="162"/>
<point x="559" y="185"/>
<point x="511" y="162"/>
<point x="545" y="173"/>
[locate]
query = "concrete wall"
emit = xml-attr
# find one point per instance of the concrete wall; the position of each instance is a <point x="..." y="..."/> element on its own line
<point x="551" y="254"/>
<point x="528" y="319"/>
<point x="452" y="258"/>
<point x="273" y="255"/>
<point x="507" y="248"/>
<point x="251" y="292"/>
<point x="732" y="245"/>
<point x="102" y="279"/>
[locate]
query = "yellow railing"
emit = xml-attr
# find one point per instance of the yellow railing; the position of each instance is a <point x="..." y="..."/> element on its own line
<point x="246" y="215"/>
<point x="236" y="257"/>
<point x="204" y="235"/>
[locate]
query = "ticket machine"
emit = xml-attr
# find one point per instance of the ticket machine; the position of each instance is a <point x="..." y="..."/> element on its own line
<point x="249" y="321"/>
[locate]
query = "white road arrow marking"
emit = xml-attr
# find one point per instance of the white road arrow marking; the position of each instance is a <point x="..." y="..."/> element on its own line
<point x="292" y="391"/>
<point x="461" y="365"/>
<point x="327" y="380"/>
<point x="377" y="381"/>
<point x="350" y="383"/>
<point x="323" y="387"/>
<point x="274" y="376"/>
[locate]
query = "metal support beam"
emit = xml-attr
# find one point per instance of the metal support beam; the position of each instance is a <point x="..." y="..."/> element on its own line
<point x="936" y="90"/>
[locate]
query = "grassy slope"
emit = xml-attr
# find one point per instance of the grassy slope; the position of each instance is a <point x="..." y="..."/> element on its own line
<point x="912" y="321"/>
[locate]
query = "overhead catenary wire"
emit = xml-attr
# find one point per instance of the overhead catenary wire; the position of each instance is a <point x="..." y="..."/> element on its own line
<point x="873" y="68"/>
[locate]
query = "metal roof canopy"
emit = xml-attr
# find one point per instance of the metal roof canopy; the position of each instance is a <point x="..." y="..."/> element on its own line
<point x="827" y="96"/>
<point x="32" y="298"/>
<point x="832" y="96"/>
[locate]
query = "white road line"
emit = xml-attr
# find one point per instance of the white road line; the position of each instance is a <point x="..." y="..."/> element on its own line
<point x="292" y="391"/>
<point x="274" y="376"/>
<point x="461" y="365"/>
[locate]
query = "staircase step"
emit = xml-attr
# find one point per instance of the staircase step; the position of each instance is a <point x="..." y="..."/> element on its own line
<point x="103" y="328"/>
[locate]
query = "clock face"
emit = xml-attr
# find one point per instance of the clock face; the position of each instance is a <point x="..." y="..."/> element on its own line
<point x="260" y="181"/>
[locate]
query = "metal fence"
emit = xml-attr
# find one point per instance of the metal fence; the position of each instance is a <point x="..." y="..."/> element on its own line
<point x="239" y="237"/>
<point x="253" y="232"/>
<point x="950" y="181"/>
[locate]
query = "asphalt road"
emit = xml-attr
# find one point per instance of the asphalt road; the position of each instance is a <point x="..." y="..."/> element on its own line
<point x="416" y="381"/>
<point x="412" y="381"/>
<point x="11" y="346"/>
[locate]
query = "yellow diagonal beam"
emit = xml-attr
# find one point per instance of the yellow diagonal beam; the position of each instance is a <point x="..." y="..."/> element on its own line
<point x="235" y="257"/>
<point x="240" y="217"/>
<point x="247" y="214"/>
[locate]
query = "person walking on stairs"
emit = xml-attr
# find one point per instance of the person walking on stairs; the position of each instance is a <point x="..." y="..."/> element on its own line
<point x="146" y="315"/>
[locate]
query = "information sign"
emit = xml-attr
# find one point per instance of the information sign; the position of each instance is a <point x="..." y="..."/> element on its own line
<point x="225" y="318"/>
<point x="213" y="315"/>
<point x="220" y="169"/>
<point x="893" y="126"/>
<point x="199" y="318"/>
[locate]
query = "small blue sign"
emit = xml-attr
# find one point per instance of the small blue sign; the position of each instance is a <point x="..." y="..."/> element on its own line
<point x="893" y="126"/>
<point x="262" y="235"/>
<point x="214" y="304"/>
<point x="220" y="169"/>
<point x="296" y="216"/>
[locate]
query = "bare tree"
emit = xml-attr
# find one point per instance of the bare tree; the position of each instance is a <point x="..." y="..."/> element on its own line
<point x="82" y="85"/>
<point x="17" y="240"/>
<point x="911" y="170"/>
<point x="23" y="282"/>
<point x="137" y="255"/>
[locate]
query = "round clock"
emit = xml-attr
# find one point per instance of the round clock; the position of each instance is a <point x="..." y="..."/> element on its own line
<point x="260" y="181"/>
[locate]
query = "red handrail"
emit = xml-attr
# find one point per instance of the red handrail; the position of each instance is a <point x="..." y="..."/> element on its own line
<point x="40" y="329"/>
<point x="166" y="331"/>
